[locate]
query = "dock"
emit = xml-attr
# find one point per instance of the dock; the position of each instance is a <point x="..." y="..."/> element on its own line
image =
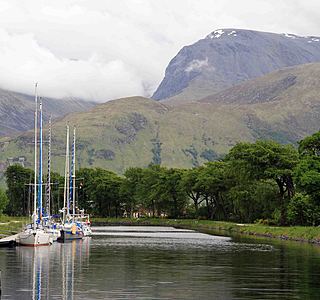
<point x="9" y="241"/>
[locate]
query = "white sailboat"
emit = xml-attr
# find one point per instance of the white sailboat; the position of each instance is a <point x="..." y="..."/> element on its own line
<point x="82" y="220"/>
<point x="34" y="235"/>
<point x="50" y="226"/>
<point x="71" y="229"/>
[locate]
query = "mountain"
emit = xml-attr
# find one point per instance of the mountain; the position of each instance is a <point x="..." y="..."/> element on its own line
<point x="227" y="57"/>
<point x="298" y="82"/>
<point x="283" y="105"/>
<point x="17" y="110"/>
<point x="136" y="131"/>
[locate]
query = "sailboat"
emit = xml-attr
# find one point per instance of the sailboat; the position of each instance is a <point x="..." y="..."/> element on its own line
<point x="50" y="226"/>
<point x="81" y="219"/>
<point x="71" y="229"/>
<point x="34" y="234"/>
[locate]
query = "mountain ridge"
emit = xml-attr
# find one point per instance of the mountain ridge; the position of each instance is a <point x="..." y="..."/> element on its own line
<point x="17" y="110"/>
<point x="138" y="131"/>
<point x="227" y="57"/>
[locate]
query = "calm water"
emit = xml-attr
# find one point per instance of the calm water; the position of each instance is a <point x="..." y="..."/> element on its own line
<point x="161" y="263"/>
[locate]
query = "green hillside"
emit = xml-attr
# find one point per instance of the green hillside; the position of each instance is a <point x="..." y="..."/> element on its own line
<point x="138" y="131"/>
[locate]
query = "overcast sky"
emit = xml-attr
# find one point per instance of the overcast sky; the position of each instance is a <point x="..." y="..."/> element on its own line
<point x="106" y="49"/>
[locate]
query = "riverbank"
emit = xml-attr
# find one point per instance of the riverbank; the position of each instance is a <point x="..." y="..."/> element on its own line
<point x="293" y="233"/>
<point x="11" y="225"/>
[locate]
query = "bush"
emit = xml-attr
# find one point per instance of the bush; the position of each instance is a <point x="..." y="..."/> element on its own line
<point x="303" y="211"/>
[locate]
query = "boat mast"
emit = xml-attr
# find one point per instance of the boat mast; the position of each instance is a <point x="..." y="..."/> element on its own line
<point x="74" y="173"/>
<point x="71" y="177"/>
<point x="34" y="216"/>
<point x="66" y="204"/>
<point x="48" y="190"/>
<point x="40" y="167"/>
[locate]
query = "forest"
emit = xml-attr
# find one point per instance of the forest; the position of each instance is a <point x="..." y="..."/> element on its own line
<point x="262" y="182"/>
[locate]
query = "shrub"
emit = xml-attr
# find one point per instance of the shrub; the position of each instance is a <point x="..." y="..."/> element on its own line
<point x="303" y="211"/>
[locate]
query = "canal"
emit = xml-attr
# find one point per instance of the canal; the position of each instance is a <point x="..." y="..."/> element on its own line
<point x="161" y="263"/>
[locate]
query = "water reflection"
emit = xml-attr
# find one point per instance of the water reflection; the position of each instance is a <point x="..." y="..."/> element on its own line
<point x="161" y="263"/>
<point x="45" y="272"/>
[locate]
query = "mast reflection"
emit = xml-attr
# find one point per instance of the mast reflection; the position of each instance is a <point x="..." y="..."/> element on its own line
<point x="50" y="272"/>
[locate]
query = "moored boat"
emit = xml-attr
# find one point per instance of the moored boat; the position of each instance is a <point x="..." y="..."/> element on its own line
<point x="72" y="231"/>
<point x="34" y="237"/>
<point x="86" y="228"/>
<point x="34" y="234"/>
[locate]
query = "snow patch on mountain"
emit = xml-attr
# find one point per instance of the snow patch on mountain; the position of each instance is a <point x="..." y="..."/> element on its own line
<point x="233" y="33"/>
<point x="290" y="35"/>
<point x="196" y="65"/>
<point x="215" y="34"/>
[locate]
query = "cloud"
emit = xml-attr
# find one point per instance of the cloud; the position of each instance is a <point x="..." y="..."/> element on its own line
<point x="24" y="62"/>
<point x="101" y="50"/>
<point x="196" y="65"/>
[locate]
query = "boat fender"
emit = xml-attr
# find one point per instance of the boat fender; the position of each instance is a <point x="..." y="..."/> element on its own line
<point x="74" y="229"/>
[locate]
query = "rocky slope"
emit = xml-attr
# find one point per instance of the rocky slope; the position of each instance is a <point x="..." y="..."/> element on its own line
<point x="17" y="110"/>
<point x="227" y="57"/>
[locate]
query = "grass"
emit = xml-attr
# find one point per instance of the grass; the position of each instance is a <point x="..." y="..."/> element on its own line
<point x="295" y="233"/>
<point x="11" y="225"/>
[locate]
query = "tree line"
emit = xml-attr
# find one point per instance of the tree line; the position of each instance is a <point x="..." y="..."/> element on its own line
<point x="262" y="181"/>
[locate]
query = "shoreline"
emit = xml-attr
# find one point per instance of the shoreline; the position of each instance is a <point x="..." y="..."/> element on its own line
<point x="303" y="234"/>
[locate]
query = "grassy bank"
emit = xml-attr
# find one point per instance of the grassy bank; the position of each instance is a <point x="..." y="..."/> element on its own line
<point x="294" y="233"/>
<point x="11" y="225"/>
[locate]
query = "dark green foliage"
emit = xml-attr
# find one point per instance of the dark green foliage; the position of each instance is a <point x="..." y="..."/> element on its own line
<point x="303" y="211"/>
<point x="310" y="145"/>
<point x="57" y="182"/>
<point x="18" y="179"/>
<point x="3" y="200"/>
<point x="267" y="160"/>
<point x="209" y="155"/>
<point x="189" y="184"/>
<point x="156" y="151"/>
<point x="307" y="176"/>
<point x="129" y="190"/>
<point x="99" y="192"/>
<point x="212" y="181"/>
<point x="253" y="200"/>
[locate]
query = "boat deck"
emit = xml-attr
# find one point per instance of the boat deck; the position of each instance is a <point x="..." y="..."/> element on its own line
<point x="9" y="240"/>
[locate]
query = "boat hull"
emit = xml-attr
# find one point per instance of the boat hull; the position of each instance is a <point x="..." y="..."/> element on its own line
<point x="86" y="230"/>
<point x="34" y="238"/>
<point x="54" y="233"/>
<point x="70" y="232"/>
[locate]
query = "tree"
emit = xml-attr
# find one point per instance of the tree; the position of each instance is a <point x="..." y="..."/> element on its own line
<point x="212" y="182"/>
<point x="171" y="196"/>
<point x="57" y="182"/>
<point x="267" y="160"/>
<point x="18" y="179"/>
<point x="252" y="200"/>
<point x="303" y="211"/>
<point x="310" y="145"/>
<point x="129" y="190"/>
<point x="189" y="184"/>
<point x="100" y="192"/>
<point x="307" y="176"/>
<point x="3" y="200"/>
<point x="307" y="172"/>
<point x="156" y="189"/>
